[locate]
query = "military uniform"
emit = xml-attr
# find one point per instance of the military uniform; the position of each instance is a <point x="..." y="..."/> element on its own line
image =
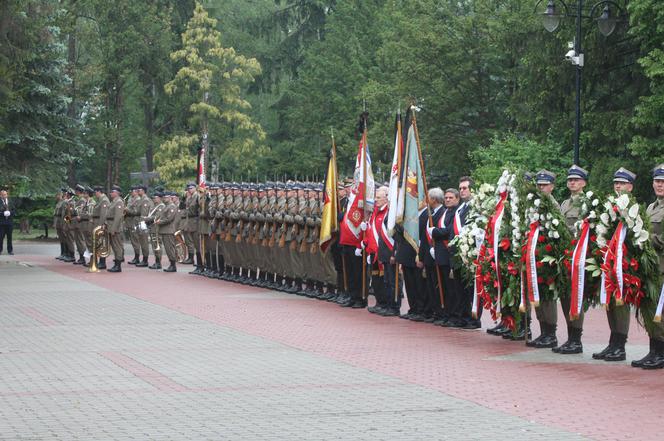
<point x="68" y="214"/>
<point x="166" y="222"/>
<point x="76" y="226"/>
<point x="191" y="224"/>
<point x="114" y="221"/>
<point x="132" y="219"/>
<point x="617" y="315"/>
<point x="99" y="216"/>
<point x="58" y="214"/>
<point x="150" y="219"/>
<point x="655" y="357"/>
<point x="86" y="221"/>
<point x="571" y="210"/>
<point x="142" y="208"/>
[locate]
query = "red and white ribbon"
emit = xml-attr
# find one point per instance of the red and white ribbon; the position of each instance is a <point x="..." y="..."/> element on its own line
<point x="497" y="222"/>
<point x="458" y="226"/>
<point x="579" y="271"/>
<point x="477" y="285"/>
<point x="522" y="304"/>
<point x="531" y="264"/>
<point x="660" y="305"/>
<point x="613" y="266"/>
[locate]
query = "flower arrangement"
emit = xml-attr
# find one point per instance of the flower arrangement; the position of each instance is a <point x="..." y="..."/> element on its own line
<point x="629" y="263"/>
<point x="543" y="249"/>
<point x="469" y="241"/>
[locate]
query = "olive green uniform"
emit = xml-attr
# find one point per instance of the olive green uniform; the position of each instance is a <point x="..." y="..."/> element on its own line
<point x="166" y="222"/>
<point x="131" y="223"/>
<point x="655" y="212"/>
<point x="114" y="221"/>
<point x="571" y="209"/>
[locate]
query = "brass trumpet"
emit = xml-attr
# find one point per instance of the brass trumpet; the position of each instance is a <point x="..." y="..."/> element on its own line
<point x="100" y="247"/>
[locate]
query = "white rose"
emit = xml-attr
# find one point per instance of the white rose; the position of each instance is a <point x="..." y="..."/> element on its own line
<point x="530" y="196"/>
<point x="601" y="230"/>
<point x="542" y="217"/>
<point x="584" y="207"/>
<point x="613" y="215"/>
<point x="630" y="222"/>
<point x="556" y="235"/>
<point x="595" y="202"/>
<point x="592" y="215"/>
<point x="547" y="225"/>
<point x="537" y="202"/>
<point x="555" y="222"/>
<point x="589" y="194"/>
<point x="638" y="225"/>
<point x="644" y="235"/>
<point x="604" y="217"/>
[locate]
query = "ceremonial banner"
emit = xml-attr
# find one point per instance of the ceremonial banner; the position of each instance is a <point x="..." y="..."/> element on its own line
<point x="200" y="172"/>
<point x="329" y="219"/>
<point x="361" y="195"/>
<point x="395" y="213"/>
<point x="412" y="186"/>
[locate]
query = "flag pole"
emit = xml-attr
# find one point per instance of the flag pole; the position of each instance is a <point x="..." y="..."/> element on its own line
<point x="426" y="198"/>
<point x="364" y="208"/>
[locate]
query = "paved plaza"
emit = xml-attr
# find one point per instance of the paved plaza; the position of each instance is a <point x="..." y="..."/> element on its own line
<point x="145" y="355"/>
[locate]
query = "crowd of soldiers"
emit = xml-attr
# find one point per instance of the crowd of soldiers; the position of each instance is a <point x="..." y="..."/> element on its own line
<point x="267" y="235"/>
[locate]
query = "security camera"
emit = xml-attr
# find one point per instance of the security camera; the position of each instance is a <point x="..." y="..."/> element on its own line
<point x="574" y="58"/>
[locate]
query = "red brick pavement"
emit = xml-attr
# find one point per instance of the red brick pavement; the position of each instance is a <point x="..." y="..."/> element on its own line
<point x="602" y="401"/>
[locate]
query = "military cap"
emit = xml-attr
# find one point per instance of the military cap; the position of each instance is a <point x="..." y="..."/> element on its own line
<point x="116" y="188"/>
<point x="71" y="192"/>
<point x="320" y="187"/>
<point x="658" y="172"/>
<point x="262" y="187"/>
<point x="63" y="189"/>
<point x="213" y="186"/>
<point x="142" y="187"/>
<point x="79" y="188"/>
<point x="280" y="185"/>
<point x="528" y="176"/>
<point x="252" y="186"/>
<point x="158" y="194"/>
<point x="98" y="188"/>
<point x="545" y="177"/>
<point x="190" y="185"/>
<point x="624" y="175"/>
<point x="89" y="189"/>
<point x="576" y="172"/>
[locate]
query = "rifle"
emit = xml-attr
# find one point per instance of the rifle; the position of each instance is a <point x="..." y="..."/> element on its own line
<point x="303" y="245"/>
<point x="314" y="245"/>
<point x="282" y="238"/>
<point x="296" y="231"/>
<point x="238" y="238"/>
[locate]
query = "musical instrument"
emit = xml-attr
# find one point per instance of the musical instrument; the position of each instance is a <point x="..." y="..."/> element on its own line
<point x="180" y="246"/>
<point x="100" y="246"/>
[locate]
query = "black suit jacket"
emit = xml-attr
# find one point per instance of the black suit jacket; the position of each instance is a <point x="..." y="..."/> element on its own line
<point x="442" y="235"/>
<point x="11" y="206"/>
<point x="425" y="254"/>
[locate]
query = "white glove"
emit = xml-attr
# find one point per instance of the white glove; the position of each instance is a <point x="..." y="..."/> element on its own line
<point x="363" y="226"/>
<point x="430" y="231"/>
<point x="363" y="245"/>
<point x="369" y="259"/>
<point x="7" y="213"/>
<point x="358" y="252"/>
<point x="432" y="251"/>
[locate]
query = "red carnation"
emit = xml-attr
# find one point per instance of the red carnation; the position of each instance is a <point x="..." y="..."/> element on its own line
<point x="541" y="239"/>
<point x="540" y="279"/>
<point x="539" y="264"/>
<point x="616" y="209"/>
<point x="511" y="268"/>
<point x="634" y="264"/>
<point x="548" y="248"/>
<point x="505" y="244"/>
<point x="574" y="241"/>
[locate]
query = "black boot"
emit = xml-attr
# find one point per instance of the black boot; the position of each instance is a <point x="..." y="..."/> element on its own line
<point x="135" y="260"/>
<point x="156" y="264"/>
<point x="618" y="351"/>
<point x="189" y="260"/>
<point x="198" y="267"/>
<point x="573" y="344"/>
<point x="549" y="340"/>
<point x="657" y="362"/>
<point x="600" y="355"/>
<point x="81" y="260"/>
<point x="649" y="356"/>
<point x="171" y="268"/>
<point x="62" y="252"/>
<point x="102" y="263"/>
<point x="69" y="256"/>
<point x="143" y="263"/>
<point x="117" y="267"/>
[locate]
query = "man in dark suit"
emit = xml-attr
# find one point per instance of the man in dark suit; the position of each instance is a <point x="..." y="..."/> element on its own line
<point x="433" y="310"/>
<point x="6" y="221"/>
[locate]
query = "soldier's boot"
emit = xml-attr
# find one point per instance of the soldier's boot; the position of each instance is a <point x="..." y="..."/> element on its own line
<point x="573" y="344"/>
<point x="189" y="261"/>
<point x="135" y="260"/>
<point x="198" y="266"/>
<point x="117" y="267"/>
<point x="143" y="263"/>
<point x="215" y="266"/>
<point x="156" y="264"/>
<point x="208" y="264"/>
<point x="223" y="273"/>
<point x="549" y="340"/>
<point x="602" y="354"/>
<point x="232" y="274"/>
<point x="657" y="362"/>
<point x="80" y="258"/>
<point x="171" y="268"/>
<point x="69" y="256"/>
<point x="652" y="352"/>
<point x="618" y="351"/>
<point x="543" y="332"/>
<point x="102" y="263"/>
<point x="62" y="252"/>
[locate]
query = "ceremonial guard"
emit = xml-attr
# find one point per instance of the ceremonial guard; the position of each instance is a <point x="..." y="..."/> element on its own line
<point x="99" y="216"/>
<point x="655" y="357"/>
<point x="577" y="179"/>
<point x="166" y="223"/>
<point x="216" y="200"/>
<point x="142" y="208"/>
<point x="204" y="230"/>
<point x="114" y="221"/>
<point x="191" y="226"/>
<point x="547" y="310"/>
<point x="618" y="315"/>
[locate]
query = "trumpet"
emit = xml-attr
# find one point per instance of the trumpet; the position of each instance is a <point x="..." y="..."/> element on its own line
<point x="156" y="244"/>
<point x="180" y="246"/>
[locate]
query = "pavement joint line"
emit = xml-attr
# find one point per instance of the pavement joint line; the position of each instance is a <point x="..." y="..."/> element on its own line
<point x="38" y="316"/>
<point x="145" y="373"/>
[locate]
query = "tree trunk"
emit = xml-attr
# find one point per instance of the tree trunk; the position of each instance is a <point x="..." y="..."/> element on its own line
<point x="149" y="113"/>
<point x="71" y="107"/>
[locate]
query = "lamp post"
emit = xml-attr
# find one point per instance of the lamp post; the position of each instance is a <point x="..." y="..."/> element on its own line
<point x="606" y="20"/>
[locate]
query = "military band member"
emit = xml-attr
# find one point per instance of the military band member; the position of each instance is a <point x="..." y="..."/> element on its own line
<point x="191" y="225"/>
<point x="150" y="219"/>
<point x="166" y="224"/>
<point x="86" y="221"/>
<point x="114" y="221"/>
<point x="58" y="214"/>
<point x="143" y="207"/>
<point x="99" y="216"/>
<point x="547" y="310"/>
<point x="77" y="234"/>
<point x="69" y="212"/>
<point x="577" y="179"/>
<point x="131" y="223"/>
<point x="618" y="315"/>
<point x="655" y="357"/>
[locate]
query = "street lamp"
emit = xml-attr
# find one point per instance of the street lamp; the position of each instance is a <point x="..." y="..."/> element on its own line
<point x="606" y="20"/>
